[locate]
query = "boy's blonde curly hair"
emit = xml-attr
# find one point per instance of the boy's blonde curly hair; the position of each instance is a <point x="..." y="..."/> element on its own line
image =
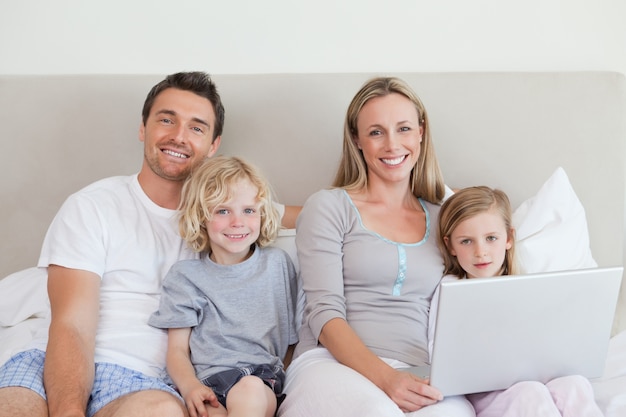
<point x="211" y="184"/>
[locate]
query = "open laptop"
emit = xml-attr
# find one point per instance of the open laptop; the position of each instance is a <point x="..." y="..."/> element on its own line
<point x="493" y="332"/>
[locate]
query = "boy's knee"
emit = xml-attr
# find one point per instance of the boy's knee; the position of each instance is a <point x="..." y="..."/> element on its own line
<point x="251" y="382"/>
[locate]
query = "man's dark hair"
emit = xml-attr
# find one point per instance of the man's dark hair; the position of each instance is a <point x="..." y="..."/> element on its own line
<point x="197" y="82"/>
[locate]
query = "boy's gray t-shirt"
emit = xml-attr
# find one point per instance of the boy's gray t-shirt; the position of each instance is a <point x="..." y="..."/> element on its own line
<point x="240" y="315"/>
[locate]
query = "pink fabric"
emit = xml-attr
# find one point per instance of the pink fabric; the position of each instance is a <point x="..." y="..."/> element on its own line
<point x="570" y="396"/>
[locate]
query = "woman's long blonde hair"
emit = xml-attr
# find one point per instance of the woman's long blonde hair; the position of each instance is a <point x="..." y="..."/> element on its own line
<point x="212" y="184"/>
<point x="426" y="178"/>
<point x="465" y="204"/>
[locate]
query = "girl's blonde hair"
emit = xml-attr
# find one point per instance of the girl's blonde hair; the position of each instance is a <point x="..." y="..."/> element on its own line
<point x="466" y="204"/>
<point x="426" y="178"/>
<point x="213" y="183"/>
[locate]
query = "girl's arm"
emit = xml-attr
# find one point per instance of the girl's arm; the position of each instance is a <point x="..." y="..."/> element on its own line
<point x="182" y="372"/>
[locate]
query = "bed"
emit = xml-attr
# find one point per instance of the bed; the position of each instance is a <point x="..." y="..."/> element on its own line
<point x="520" y="132"/>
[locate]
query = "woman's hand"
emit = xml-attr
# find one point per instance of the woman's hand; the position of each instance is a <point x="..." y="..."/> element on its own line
<point x="410" y="392"/>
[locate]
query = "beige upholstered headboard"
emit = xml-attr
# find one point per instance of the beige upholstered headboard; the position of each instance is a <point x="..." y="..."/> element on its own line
<point x="507" y="130"/>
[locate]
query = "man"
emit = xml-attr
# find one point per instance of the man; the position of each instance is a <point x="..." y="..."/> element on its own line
<point x="106" y="252"/>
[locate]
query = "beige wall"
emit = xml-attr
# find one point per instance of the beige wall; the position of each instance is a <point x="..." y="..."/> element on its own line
<point x="283" y="36"/>
<point x="276" y="36"/>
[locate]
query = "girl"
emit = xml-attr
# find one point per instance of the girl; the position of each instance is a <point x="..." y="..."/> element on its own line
<point x="230" y="315"/>
<point x="477" y="239"/>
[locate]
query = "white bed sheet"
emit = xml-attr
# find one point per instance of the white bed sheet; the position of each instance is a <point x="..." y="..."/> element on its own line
<point x="610" y="389"/>
<point x="24" y="310"/>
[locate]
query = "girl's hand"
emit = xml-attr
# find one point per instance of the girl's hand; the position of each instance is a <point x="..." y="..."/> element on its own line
<point x="410" y="392"/>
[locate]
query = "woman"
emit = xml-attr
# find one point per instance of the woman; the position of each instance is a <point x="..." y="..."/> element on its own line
<point x="370" y="264"/>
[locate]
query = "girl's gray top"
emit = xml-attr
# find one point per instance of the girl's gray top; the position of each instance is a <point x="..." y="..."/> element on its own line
<point x="382" y="288"/>
<point x="240" y="315"/>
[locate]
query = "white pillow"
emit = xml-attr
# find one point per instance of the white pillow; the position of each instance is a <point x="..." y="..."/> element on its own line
<point x="551" y="229"/>
<point x="286" y="240"/>
<point x="23" y="295"/>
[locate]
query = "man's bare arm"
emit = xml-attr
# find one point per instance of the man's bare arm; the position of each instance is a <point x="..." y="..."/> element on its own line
<point x="289" y="218"/>
<point x="69" y="367"/>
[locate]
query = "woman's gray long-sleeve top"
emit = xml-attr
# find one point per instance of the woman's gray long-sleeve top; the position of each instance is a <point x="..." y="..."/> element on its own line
<point x="382" y="288"/>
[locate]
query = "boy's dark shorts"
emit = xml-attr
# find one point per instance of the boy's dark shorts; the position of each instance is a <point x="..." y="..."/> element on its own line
<point x="222" y="382"/>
